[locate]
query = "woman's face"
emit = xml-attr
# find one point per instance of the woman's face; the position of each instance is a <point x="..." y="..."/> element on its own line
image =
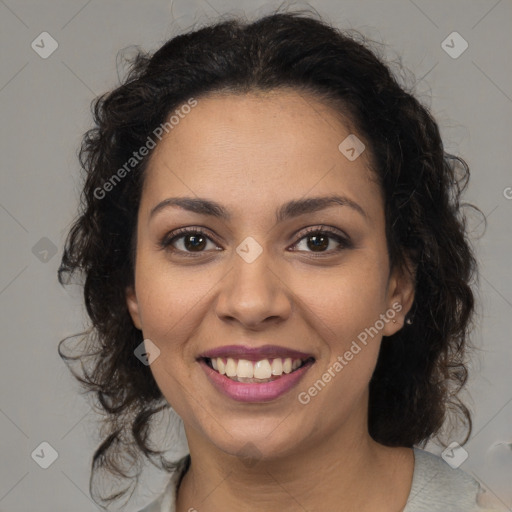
<point x="254" y="277"/>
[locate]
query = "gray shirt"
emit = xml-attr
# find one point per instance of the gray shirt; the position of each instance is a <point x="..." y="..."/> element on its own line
<point x="436" y="487"/>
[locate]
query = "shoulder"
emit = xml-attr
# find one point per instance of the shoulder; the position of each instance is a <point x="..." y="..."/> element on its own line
<point x="166" y="502"/>
<point x="437" y="487"/>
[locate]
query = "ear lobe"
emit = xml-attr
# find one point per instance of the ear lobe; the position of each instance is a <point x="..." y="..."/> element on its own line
<point x="400" y="297"/>
<point x="133" y="306"/>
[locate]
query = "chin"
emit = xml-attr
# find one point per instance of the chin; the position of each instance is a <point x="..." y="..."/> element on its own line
<point x="261" y="440"/>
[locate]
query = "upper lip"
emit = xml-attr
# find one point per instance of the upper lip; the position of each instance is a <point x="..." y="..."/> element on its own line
<point x="254" y="353"/>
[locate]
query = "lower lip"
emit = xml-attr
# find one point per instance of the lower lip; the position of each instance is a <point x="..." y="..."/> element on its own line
<point x="255" y="392"/>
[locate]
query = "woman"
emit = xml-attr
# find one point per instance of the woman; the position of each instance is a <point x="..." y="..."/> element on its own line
<point x="273" y="246"/>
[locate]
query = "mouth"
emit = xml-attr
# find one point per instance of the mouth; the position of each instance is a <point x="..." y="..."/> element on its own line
<point x="249" y="374"/>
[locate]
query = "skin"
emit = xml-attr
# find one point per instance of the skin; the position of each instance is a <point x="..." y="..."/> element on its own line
<point x="252" y="153"/>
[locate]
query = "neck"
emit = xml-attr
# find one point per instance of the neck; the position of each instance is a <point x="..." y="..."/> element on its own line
<point x="342" y="471"/>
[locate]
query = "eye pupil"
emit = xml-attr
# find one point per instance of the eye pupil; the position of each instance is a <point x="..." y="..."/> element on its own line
<point x="195" y="241"/>
<point x="319" y="242"/>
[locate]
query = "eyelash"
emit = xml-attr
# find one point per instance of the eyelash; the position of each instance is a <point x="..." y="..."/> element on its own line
<point x="169" y="239"/>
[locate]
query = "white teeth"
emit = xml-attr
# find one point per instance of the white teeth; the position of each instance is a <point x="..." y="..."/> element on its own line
<point x="262" y="370"/>
<point x="245" y="369"/>
<point x="277" y="367"/>
<point x="231" y="367"/>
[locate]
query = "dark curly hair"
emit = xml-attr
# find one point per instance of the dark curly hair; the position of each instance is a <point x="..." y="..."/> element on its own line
<point x="421" y="368"/>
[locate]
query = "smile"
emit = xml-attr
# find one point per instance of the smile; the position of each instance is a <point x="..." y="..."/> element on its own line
<point x="250" y="374"/>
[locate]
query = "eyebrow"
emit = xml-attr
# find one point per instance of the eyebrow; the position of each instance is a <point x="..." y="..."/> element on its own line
<point x="287" y="211"/>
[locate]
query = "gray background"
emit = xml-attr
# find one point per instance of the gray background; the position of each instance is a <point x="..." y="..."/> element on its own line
<point x="44" y="107"/>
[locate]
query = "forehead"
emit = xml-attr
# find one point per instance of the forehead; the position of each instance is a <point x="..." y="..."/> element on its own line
<point x="259" y="147"/>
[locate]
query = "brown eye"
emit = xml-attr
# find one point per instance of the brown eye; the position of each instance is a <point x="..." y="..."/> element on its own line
<point x="187" y="241"/>
<point x="194" y="242"/>
<point x="318" y="240"/>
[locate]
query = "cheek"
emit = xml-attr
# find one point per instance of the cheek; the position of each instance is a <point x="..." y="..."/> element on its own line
<point x="169" y="299"/>
<point x="170" y="314"/>
<point x="345" y="302"/>
<point x="171" y="308"/>
<point x="346" y="320"/>
<point x="347" y="309"/>
<point x="176" y="384"/>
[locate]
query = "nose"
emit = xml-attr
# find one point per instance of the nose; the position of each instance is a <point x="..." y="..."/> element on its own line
<point x="253" y="294"/>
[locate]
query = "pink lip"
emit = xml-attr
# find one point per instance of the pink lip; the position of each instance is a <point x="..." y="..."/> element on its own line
<point x="254" y="353"/>
<point x="255" y="392"/>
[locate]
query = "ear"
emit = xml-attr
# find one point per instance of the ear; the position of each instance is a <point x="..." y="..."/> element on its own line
<point x="400" y="297"/>
<point x="133" y="306"/>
